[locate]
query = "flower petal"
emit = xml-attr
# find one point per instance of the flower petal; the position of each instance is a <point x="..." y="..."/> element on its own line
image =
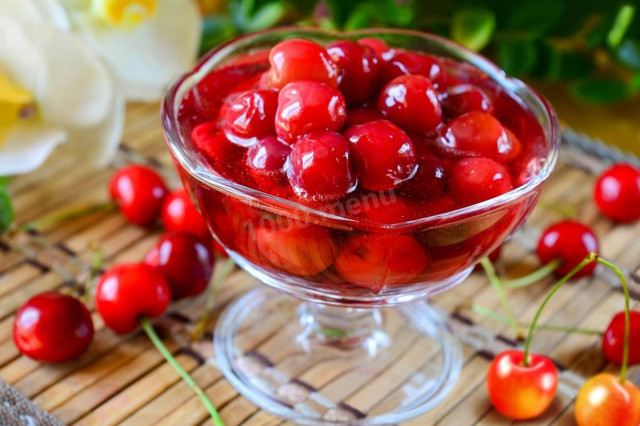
<point x="20" y="61"/>
<point x="42" y="11"/>
<point x="28" y="145"/>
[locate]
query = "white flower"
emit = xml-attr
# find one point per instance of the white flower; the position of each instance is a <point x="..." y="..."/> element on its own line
<point x="146" y="43"/>
<point x="53" y="90"/>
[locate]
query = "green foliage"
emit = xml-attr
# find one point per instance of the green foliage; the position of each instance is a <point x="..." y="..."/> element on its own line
<point x="6" y="209"/>
<point x="473" y="28"/>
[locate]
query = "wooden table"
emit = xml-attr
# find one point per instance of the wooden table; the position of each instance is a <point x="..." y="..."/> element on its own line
<point x="123" y="379"/>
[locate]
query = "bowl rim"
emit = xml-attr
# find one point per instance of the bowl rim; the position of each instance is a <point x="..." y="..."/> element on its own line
<point x="196" y="165"/>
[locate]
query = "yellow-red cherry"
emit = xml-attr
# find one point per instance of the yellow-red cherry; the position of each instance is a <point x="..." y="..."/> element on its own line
<point x="604" y="401"/>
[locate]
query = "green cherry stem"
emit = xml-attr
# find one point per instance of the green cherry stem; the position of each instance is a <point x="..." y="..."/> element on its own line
<point x="68" y="215"/>
<point x="153" y="336"/>
<point x="497" y="285"/>
<point x="198" y="330"/>
<point x="533" y="277"/>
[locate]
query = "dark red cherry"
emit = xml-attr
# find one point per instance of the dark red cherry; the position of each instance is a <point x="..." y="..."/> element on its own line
<point x="250" y="116"/>
<point x="361" y="116"/>
<point x="358" y="65"/>
<point x="306" y="106"/>
<point x="383" y="155"/>
<point x="478" y="134"/>
<point x="613" y="338"/>
<point x="617" y="193"/>
<point x="473" y="180"/>
<point x="404" y="63"/>
<point x="184" y="261"/>
<point x="411" y="102"/>
<point x="382" y="49"/>
<point x="52" y="327"/>
<point x="430" y="181"/>
<point x="395" y="209"/>
<point x="128" y="291"/>
<point x="319" y="167"/>
<point x="463" y="98"/>
<point x="140" y="192"/>
<point x="570" y="242"/>
<point x="265" y="161"/>
<point x="180" y="215"/>
<point x="297" y="59"/>
<point x="215" y="145"/>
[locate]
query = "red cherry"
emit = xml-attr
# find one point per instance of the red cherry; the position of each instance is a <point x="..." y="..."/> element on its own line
<point x="478" y="134"/>
<point x="429" y="182"/>
<point x="377" y="262"/>
<point x="361" y="116"/>
<point x="52" y="327"/>
<point x="463" y="98"/>
<point x="603" y="400"/>
<point x="404" y="63"/>
<point x="617" y="193"/>
<point x="319" y="167"/>
<point x="382" y="49"/>
<point x="613" y="338"/>
<point x="296" y="59"/>
<point x="140" y="192"/>
<point x="387" y="211"/>
<point x="306" y="106"/>
<point x="411" y="102"/>
<point x="358" y="65"/>
<point x="521" y="392"/>
<point x="128" y="291"/>
<point x="473" y="180"/>
<point x="180" y="215"/>
<point x="214" y="144"/>
<point x="570" y="242"/>
<point x="185" y="263"/>
<point x="383" y="155"/>
<point x="266" y="160"/>
<point x="250" y="116"/>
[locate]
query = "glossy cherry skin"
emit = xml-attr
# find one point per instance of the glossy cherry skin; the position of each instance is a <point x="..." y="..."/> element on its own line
<point x="250" y="116"/>
<point x="473" y="180"/>
<point x="376" y="262"/>
<point x="383" y="155"/>
<point x="297" y="59"/>
<point x="382" y="49"/>
<point x="184" y="261"/>
<point x="361" y="116"/>
<point x="617" y="193"/>
<point x="604" y="401"/>
<point x="411" y="102"/>
<point x="128" y="291"/>
<point x="613" y="339"/>
<point x="463" y="98"/>
<point x="180" y="215"/>
<point x="478" y="134"/>
<point x="305" y="106"/>
<point x="521" y="392"/>
<point x="266" y="160"/>
<point x="571" y="242"/>
<point x="52" y="327"/>
<point x="215" y="145"/>
<point x="430" y="181"/>
<point x="358" y="65"/>
<point x="319" y="167"/>
<point x="140" y="192"/>
<point x="403" y="63"/>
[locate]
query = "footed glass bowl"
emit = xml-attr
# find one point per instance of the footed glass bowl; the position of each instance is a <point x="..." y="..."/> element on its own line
<point x="336" y="351"/>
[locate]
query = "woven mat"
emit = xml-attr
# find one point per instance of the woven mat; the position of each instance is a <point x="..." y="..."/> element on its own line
<point x="17" y="410"/>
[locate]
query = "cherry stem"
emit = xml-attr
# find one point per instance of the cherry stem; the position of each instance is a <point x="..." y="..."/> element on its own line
<point x="211" y="298"/>
<point x="533" y="277"/>
<point x="64" y="216"/>
<point x="94" y="272"/>
<point x="157" y="342"/>
<point x="563" y="209"/>
<point x="497" y="285"/>
<point x="559" y="328"/>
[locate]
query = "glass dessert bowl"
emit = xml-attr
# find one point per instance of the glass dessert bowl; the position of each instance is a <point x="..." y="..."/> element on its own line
<point x="373" y="228"/>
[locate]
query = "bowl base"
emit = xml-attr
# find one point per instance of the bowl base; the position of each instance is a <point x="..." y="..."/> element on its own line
<point x="319" y="364"/>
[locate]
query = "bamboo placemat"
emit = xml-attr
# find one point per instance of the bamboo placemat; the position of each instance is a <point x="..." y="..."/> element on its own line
<point x="123" y="379"/>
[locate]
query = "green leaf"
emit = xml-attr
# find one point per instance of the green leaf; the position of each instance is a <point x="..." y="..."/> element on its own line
<point x="341" y="10"/>
<point x="216" y="29"/>
<point x="6" y="211"/>
<point x="621" y="23"/>
<point x="4" y="181"/>
<point x="473" y="28"/>
<point x="557" y="65"/>
<point x="517" y="55"/>
<point x="535" y="16"/>
<point x="599" y="91"/>
<point x="266" y="17"/>
<point x="629" y="53"/>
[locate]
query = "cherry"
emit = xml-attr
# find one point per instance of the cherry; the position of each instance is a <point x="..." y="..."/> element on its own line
<point x="570" y="242"/>
<point x="403" y="63"/>
<point x="521" y="391"/>
<point x="305" y="106"/>
<point x="319" y="167"/>
<point x="52" y="327"/>
<point x="411" y="102"/>
<point x="250" y="116"/>
<point x="214" y="144"/>
<point x="383" y="155"/>
<point x="396" y="210"/>
<point x="463" y="98"/>
<point x="473" y="180"/>
<point x="266" y="160"/>
<point x="478" y="134"/>
<point x="361" y="116"/>
<point x="376" y="262"/>
<point x="140" y="192"/>
<point x="129" y="291"/>
<point x="603" y="400"/>
<point x="382" y="49"/>
<point x="298" y="59"/>
<point x="358" y="65"/>
<point x="184" y="261"/>
<point x="617" y="193"/>
<point x="613" y="339"/>
<point x="429" y="182"/>
<point x="180" y="215"/>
